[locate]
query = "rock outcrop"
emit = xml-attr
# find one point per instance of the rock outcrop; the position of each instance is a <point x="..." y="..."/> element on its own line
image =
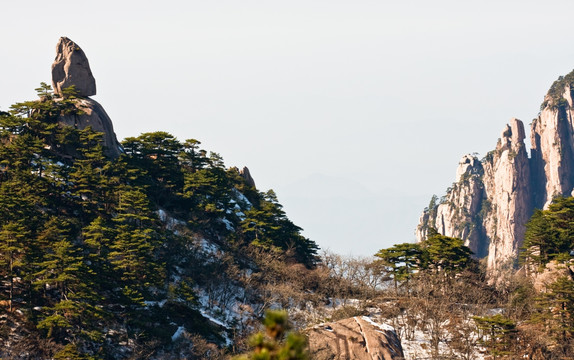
<point x="456" y="213"/>
<point x="247" y="176"/>
<point x="354" y="338"/>
<point x="71" y="68"/>
<point x="492" y="199"/>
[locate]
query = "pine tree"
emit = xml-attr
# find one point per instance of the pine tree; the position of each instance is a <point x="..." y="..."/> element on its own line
<point x="69" y="285"/>
<point x="538" y="240"/>
<point x="192" y="158"/>
<point x="402" y="259"/>
<point x="88" y="174"/>
<point x="497" y="334"/>
<point x="443" y="253"/>
<point x="134" y="245"/>
<point x="13" y="236"/>
<point x="556" y="309"/>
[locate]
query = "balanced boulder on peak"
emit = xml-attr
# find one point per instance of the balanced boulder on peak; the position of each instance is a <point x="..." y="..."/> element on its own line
<point x="71" y="68"/>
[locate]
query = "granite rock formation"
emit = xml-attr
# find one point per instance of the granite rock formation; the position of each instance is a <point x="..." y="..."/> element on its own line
<point x="71" y="68"/>
<point x="455" y="213"/>
<point x="508" y="196"/>
<point x="94" y="115"/>
<point x="354" y="338"/>
<point x="552" y="138"/>
<point x="492" y="199"/>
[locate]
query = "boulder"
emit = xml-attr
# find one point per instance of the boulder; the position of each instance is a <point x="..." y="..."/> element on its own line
<point x="354" y="338"/>
<point x="71" y="68"/>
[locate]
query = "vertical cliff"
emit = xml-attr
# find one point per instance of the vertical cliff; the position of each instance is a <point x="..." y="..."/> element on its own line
<point x="492" y="199"/>
<point x="552" y="136"/>
<point x="508" y="192"/>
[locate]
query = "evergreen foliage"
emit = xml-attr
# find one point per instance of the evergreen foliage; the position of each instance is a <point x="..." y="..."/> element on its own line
<point x="438" y="253"/>
<point x="557" y="89"/>
<point x="402" y="259"/>
<point x="549" y="234"/>
<point x="277" y="343"/>
<point x="497" y="333"/>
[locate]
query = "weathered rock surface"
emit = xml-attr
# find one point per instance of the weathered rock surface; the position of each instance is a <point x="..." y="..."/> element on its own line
<point x="71" y="68"/>
<point x="508" y="184"/>
<point x="94" y="115"/>
<point x="354" y="338"/>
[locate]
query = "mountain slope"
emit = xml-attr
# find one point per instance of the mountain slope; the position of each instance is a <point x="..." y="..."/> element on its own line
<point x="148" y="249"/>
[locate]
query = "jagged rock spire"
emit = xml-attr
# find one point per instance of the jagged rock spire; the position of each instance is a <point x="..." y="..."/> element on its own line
<point x="247" y="176"/>
<point x="71" y="68"/>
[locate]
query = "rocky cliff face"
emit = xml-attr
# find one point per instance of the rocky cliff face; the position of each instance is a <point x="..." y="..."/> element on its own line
<point x="71" y="68"/>
<point x="508" y="196"/>
<point x="456" y="212"/>
<point x="492" y="199"/>
<point x="552" y="137"/>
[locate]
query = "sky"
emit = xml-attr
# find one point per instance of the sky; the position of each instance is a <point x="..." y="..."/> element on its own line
<point x="354" y="112"/>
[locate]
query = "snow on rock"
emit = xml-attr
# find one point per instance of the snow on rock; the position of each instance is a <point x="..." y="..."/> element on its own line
<point x="178" y="333"/>
<point x="208" y="247"/>
<point x="242" y="199"/>
<point x="155" y="303"/>
<point x="170" y="222"/>
<point x="212" y="319"/>
<point x="382" y="326"/>
<point x="228" y="224"/>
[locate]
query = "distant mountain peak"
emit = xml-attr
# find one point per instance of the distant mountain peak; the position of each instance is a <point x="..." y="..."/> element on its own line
<point x="492" y="199"/>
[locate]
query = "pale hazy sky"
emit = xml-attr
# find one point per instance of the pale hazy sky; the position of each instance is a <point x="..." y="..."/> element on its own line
<point x="354" y="112"/>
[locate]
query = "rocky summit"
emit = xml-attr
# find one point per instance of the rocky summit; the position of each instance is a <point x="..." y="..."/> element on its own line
<point x="71" y="68"/>
<point x="493" y="198"/>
